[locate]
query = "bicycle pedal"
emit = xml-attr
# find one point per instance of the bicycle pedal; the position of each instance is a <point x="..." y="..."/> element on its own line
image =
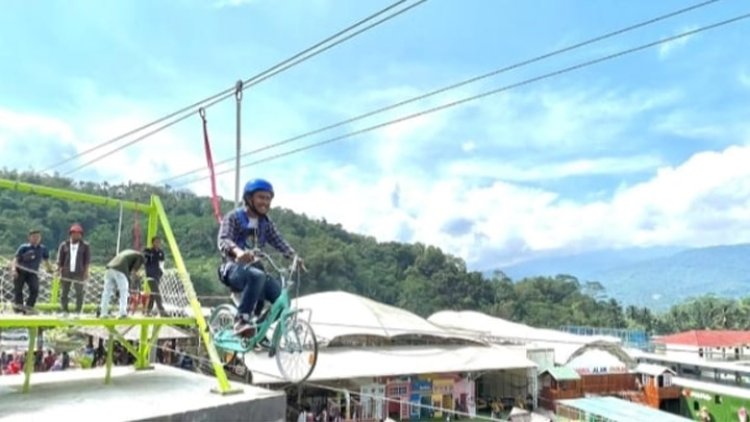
<point x="246" y="334"/>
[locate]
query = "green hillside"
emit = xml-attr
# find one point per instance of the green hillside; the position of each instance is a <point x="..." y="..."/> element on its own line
<point x="416" y="277"/>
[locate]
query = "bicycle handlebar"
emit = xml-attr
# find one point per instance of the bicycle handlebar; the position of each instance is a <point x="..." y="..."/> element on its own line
<point x="293" y="267"/>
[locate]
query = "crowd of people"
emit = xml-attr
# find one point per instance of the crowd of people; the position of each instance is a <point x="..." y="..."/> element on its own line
<point x="73" y="264"/>
<point x="12" y="363"/>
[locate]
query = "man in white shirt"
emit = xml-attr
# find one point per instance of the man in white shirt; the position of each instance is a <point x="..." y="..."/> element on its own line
<point x="73" y="261"/>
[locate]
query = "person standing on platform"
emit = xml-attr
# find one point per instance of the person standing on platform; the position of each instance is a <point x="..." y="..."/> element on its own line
<point x="29" y="257"/>
<point x="73" y="262"/>
<point x="154" y="270"/>
<point x="122" y="268"/>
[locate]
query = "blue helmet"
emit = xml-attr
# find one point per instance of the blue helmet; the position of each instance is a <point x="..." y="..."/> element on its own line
<point x="257" y="185"/>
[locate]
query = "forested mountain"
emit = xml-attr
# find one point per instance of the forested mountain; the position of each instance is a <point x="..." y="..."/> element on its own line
<point x="416" y="277"/>
<point x="654" y="277"/>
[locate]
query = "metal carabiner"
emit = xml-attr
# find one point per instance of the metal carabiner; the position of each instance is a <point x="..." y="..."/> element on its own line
<point x="238" y="87"/>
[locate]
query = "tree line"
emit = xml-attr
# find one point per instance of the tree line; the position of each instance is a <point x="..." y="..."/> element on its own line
<point x="417" y="277"/>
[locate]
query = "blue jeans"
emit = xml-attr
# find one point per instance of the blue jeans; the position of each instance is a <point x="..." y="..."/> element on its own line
<point x="271" y="292"/>
<point x="248" y="280"/>
<point x="255" y="285"/>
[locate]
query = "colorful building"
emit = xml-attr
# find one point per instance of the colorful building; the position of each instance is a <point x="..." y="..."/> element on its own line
<point x="709" y="345"/>
<point x="721" y="402"/>
<point x="718" y="388"/>
<point x="395" y="364"/>
<point x="559" y="383"/>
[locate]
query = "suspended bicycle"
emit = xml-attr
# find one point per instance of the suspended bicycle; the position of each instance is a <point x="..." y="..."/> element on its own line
<point x="292" y="339"/>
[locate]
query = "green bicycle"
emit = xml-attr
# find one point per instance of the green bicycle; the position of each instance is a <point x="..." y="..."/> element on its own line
<point x="292" y="338"/>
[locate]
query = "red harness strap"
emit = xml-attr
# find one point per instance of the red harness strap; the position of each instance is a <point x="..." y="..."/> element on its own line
<point x="137" y="231"/>
<point x="210" y="162"/>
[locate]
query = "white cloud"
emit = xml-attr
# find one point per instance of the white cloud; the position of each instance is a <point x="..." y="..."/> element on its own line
<point x="703" y="124"/>
<point x="15" y="123"/>
<point x="448" y="202"/>
<point x="571" y="119"/>
<point x="232" y="3"/>
<point x="28" y="140"/>
<point x="744" y="78"/>
<point x="469" y="146"/>
<point x="703" y="201"/>
<point x="667" y="48"/>
<point x="496" y="168"/>
<point x="40" y="140"/>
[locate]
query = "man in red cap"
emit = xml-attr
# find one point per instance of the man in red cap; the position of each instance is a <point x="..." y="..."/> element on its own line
<point x="73" y="261"/>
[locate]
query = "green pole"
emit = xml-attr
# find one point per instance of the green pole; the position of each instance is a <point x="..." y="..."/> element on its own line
<point x="110" y="352"/>
<point x="29" y="366"/>
<point x="54" y="295"/>
<point x="221" y="376"/>
<point x="142" y="361"/>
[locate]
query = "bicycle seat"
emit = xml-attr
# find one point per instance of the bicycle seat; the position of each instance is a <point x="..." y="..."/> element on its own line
<point x="236" y="298"/>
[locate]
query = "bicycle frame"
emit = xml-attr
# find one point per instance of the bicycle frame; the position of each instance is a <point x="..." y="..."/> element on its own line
<point x="279" y="313"/>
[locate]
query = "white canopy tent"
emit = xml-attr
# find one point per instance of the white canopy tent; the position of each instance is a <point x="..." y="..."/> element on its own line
<point x="347" y="363"/>
<point x="497" y="329"/>
<point x="340" y="314"/>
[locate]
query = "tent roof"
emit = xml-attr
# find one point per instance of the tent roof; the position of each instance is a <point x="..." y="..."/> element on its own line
<point x="618" y="410"/>
<point x="564" y="344"/>
<point x="562" y="373"/>
<point x="707" y="338"/>
<point x="336" y="363"/>
<point x="653" y="370"/>
<point x="338" y="314"/>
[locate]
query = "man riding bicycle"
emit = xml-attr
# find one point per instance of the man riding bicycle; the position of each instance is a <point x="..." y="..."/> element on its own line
<point x="242" y="230"/>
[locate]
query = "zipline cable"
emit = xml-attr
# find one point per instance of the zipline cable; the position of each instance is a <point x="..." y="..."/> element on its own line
<point x="227" y="93"/>
<point x="485" y="94"/>
<point x="457" y="85"/>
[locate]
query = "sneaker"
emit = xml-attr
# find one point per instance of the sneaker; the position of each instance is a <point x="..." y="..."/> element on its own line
<point x="123" y="316"/>
<point x="243" y="327"/>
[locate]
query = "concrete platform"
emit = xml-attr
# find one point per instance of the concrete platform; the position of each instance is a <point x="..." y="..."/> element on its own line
<point x="162" y="394"/>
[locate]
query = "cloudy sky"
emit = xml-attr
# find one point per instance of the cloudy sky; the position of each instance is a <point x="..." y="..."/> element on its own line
<point x="648" y="149"/>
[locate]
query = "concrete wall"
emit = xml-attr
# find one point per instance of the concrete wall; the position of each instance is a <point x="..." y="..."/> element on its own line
<point x="272" y="409"/>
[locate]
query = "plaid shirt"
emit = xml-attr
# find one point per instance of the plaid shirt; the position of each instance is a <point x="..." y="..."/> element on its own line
<point x="231" y="228"/>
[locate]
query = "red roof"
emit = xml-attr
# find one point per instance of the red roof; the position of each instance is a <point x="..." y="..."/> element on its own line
<point x="708" y="338"/>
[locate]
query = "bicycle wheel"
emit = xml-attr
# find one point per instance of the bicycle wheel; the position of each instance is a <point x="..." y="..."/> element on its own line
<point x="222" y="318"/>
<point x="297" y="351"/>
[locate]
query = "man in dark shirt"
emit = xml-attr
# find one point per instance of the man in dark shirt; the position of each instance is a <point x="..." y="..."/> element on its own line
<point x="29" y="257"/>
<point x="119" y="270"/>
<point x="154" y="261"/>
<point x="242" y="230"/>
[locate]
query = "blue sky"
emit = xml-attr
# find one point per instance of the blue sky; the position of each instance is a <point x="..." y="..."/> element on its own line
<point x="649" y="149"/>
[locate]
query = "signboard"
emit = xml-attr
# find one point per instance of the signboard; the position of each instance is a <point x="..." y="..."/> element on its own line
<point x="696" y="395"/>
<point x="600" y="370"/>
